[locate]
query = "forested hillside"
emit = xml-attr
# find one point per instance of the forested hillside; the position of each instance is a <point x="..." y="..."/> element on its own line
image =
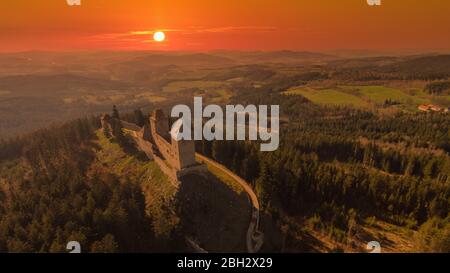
<point x="50" y="195"/>
<point x="338" y="167"/>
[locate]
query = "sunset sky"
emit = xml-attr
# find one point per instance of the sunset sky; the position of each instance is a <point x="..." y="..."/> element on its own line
<point x="230" y="25"/>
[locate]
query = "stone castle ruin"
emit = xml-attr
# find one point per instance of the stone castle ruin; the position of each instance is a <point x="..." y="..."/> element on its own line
<point x="176" y="158"/>
<point x="181" y="154"/>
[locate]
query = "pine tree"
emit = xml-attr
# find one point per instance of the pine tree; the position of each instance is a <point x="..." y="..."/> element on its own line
<point x="106" y="245"/>
<point x="115" y="113"/>
<point x="139" y="118"/>
<point x="263" y="186"/>
<point x="118" y="133"/>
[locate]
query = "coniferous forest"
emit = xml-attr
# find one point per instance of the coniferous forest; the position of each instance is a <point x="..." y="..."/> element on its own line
<point x="50" y="196"/>
<point x="337" y="167"/>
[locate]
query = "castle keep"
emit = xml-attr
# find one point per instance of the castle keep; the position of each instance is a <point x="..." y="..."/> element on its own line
<point x="180" y="154"/>
<point x="176" y="158"/>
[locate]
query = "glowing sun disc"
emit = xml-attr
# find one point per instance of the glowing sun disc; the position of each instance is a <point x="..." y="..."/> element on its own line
<point x="159" y="36"/>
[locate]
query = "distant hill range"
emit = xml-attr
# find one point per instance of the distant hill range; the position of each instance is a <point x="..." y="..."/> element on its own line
<point x="409" y="66"/>
<point x="179" y="59"/>
<point x="427" y="64"/>
<point x="56" y="84"/>
<point x="284" y="57"/>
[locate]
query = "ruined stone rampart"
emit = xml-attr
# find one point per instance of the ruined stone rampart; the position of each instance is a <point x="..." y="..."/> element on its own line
<point x="179" y="153"/>
<point x="176" y="158"/>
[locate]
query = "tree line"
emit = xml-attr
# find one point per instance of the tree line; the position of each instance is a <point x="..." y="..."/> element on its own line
<point x="51" y="194"/>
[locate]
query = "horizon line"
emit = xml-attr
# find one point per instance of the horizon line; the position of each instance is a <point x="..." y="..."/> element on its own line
<point x="399" y="50"/>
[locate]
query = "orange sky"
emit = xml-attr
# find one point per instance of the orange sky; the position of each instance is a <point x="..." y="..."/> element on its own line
<point x="231" y="24"/>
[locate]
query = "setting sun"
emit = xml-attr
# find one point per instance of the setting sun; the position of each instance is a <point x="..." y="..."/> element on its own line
<point x="159" y="36"/>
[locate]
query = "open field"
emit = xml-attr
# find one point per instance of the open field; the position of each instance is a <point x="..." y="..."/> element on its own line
<point x="181" y="85"/>
<point x="220" y="96"/>
<point x="211" y="91"/>
<point x="370" y="96"/>
<point x="150" y="97"/>
<point x="328" y="97"/>
<point x="115" y="97"/>
<point x="379" y="94"/>
<point x="408" y="98"/>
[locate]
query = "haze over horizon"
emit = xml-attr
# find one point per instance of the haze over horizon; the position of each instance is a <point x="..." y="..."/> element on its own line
<point x="200" y="25"/>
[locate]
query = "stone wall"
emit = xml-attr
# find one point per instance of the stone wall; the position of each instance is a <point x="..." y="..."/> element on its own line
<point x="130" y="126"/>
<point x="145" y="146"/>
<point x="175" y="158"/>
<point x="179" y="154"/>
<point x="171" y="173"/>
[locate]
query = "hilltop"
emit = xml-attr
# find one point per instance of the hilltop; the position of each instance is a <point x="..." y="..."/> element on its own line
<point x="110" y="198"/>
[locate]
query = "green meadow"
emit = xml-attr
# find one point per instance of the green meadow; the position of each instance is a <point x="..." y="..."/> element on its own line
<point x="379" y="94"/>
<point x="329" y="97"/>
<point x="212" y="91"/>
<point x="369" y="96"/>
<point x="221" y="96"/>
<point x="180" y="85"/>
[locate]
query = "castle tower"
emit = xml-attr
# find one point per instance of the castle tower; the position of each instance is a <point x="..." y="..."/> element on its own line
<point x="105" y="119"/>
<point x="184" y="153"/>
<point x="145" y="133"/>
<point x="184" y="150"/>
<point x="159" y="124"/>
